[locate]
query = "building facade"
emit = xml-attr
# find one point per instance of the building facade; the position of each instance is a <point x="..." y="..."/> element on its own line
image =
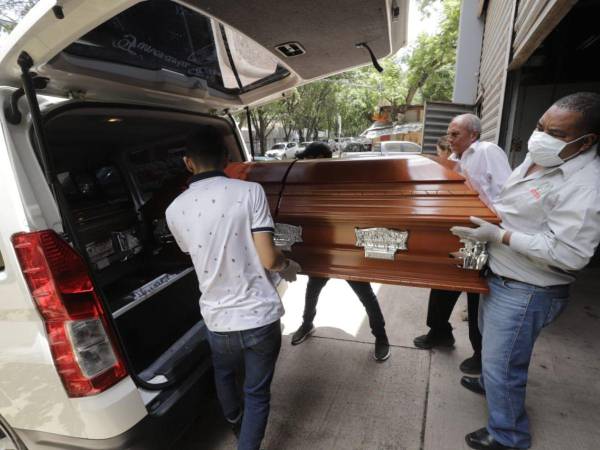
<point x="531" y="53"/>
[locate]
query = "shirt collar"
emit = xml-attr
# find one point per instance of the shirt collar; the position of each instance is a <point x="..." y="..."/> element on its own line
<point x="469" y="149"/>
<point x="208" y="174"/>
<point x="573" y="165"/>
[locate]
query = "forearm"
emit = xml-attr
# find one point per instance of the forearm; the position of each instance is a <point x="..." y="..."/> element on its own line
<point x="548" y="250"/>
<point x="270" y="256"/>
<point x="279" y="262"/>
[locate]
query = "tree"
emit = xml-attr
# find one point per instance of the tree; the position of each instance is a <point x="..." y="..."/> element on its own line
<point x="11" y="11"/>
<point x="315" y="100"/>
<point x="433" y="58"/>
<point x="287" y="116"/>
<point x="263" y="122"/>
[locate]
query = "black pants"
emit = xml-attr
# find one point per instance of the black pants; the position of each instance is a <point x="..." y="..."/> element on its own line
<point x="361" y="289"/>
<point x="441" y="304"/>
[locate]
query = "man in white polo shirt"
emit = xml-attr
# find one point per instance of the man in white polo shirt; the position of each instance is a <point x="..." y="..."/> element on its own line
<point x="226" y="227"/>
<point x="550" y="212"/>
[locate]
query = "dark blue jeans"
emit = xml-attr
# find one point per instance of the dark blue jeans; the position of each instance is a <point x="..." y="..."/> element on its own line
<point x="511" y="317"/>
<point x="255" y="351"/>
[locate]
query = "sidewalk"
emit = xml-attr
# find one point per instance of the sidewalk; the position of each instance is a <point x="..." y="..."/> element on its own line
<point x="330" y="394"/>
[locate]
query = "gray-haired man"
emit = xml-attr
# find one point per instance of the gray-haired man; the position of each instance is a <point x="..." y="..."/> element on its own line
<point x="486" y="167"/>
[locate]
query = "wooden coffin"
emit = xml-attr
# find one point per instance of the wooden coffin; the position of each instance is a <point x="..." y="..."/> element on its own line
<point x="331" y="199"/>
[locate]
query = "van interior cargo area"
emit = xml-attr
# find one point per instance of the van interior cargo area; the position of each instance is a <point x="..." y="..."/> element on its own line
<point x="116" y="171"/>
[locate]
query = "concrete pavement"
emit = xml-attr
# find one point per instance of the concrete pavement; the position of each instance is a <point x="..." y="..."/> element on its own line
<point x="329" y="394"/>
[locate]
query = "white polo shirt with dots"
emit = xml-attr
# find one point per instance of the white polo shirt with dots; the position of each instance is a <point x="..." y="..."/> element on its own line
<point x="213" y="221"/>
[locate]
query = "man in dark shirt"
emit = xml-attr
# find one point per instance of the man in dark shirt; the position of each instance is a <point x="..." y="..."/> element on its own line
<point x="362" y="289"/>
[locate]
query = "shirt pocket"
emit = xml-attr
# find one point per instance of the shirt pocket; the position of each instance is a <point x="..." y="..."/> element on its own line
<point x="534" y="202"/>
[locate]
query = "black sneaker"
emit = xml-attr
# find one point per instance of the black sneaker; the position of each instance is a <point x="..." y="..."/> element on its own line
<point x="382" y="349"/>
<point x="302" y="333"/>
<point x="472" y="365"/>
<point x="431" y="340"/>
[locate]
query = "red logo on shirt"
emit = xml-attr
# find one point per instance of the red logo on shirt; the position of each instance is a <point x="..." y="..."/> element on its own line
<point x="535" y="193"/>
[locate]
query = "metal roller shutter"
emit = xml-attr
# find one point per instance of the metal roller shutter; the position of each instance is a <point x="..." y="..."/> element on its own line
<point x="494" y="65"/>
<point x="535" y="20"/>
<point x="436" y="120"/>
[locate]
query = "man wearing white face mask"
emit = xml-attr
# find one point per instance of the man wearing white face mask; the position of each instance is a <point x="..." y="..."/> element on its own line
<point x="550" y="212"/>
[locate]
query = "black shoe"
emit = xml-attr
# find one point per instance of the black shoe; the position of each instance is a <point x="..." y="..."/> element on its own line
<point x="472" y="384"/>
<point x="432" y="339"/>
<point x="483" y="440"/>
<point x="471" y="365"/>
<point x="382" y="349"/>
<point x="302" y="333"/>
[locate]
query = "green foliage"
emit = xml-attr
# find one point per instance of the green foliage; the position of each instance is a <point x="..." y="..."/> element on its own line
<point x="315" y="109"/>
<point x="425" y="6"/>
<point x="11" y="11"/>
<point x="431" y="62"/>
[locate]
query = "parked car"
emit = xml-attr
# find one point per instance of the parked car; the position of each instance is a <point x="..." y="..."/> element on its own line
<point x="283" y="150"/>
<point x="101" y="339"/>
<point x="390" y="147"/>
<point x="353" y="147"/>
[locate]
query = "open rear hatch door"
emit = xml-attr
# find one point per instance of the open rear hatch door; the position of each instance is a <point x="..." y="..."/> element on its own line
<point x="200" y="55"/>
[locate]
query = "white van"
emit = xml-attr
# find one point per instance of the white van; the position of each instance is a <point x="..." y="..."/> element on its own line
<point x="102" y="345"/>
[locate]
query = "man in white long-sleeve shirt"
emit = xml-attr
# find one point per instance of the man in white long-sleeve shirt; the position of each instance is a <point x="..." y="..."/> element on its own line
<point x="550" y="212"/>
<point x="483" y="164"/>
<point x="486" y="167"/>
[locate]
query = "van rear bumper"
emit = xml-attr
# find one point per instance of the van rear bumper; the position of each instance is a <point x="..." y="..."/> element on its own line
<point x="143" y="435"/>
<point x="159" y="430"/>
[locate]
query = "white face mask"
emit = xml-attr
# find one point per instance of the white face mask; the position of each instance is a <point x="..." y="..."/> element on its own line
<point x="545" y="149"/>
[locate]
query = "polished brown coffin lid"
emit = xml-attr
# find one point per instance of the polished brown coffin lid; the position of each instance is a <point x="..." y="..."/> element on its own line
<point x="269" y="174"/>
<point x="330" y="198"/>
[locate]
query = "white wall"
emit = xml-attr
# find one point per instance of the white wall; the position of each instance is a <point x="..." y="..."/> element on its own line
<point x="468" y="53"/>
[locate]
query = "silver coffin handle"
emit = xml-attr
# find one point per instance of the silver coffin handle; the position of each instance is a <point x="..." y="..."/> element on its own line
<point x="381" y="243"/>
<point x="474" y="254"/>
<point x="287" y="235"/>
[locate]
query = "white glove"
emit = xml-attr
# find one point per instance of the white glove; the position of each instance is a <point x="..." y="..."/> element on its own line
<point x="486" y="232"/>
<point x="288" y="273"/>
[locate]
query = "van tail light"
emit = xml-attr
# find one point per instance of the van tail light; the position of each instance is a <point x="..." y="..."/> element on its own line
<point x="81" y="342"/>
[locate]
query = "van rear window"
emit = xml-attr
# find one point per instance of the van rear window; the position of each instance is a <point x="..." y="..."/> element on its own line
<point x="160" y="34"/>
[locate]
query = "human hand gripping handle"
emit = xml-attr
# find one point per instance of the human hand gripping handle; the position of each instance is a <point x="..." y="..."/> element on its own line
<point x="485" y="232"/>
<point x="289" y="271"/>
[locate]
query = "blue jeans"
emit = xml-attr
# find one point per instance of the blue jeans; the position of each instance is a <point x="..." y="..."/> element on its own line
<point x="511" y="317"/>
<point x="255" y="351"/>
